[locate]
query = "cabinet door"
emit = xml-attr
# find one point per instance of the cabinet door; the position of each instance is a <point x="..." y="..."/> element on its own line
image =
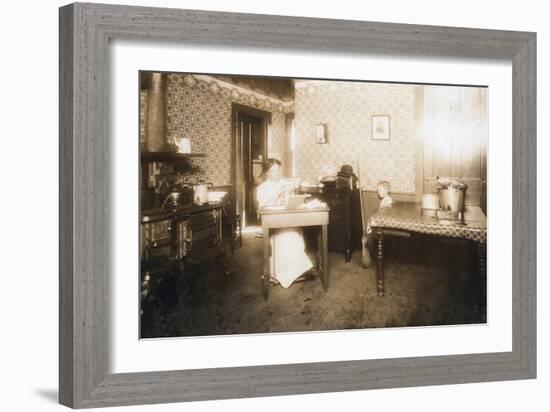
<point x="339" y="235"/>
<point x="156" y="241"/>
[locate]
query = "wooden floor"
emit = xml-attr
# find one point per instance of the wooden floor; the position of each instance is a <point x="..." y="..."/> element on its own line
<point x="427" y="283"/>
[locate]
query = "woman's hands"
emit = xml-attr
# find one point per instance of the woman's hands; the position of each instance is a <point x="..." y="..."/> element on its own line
<point x="279" y="194"/>
<point x="285" y="190"/>
<point x="276" y="195"/>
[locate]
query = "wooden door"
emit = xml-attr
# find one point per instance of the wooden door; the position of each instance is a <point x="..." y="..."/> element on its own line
<point x="252" y="144"/>
<point x="455" y="139"/>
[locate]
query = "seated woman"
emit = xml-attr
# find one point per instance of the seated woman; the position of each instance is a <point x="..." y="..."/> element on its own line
<point x="289" y="259"/>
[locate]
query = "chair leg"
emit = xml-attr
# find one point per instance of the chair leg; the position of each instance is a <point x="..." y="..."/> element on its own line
<point x="232" y="239"/>
<point x="240" y="234"/>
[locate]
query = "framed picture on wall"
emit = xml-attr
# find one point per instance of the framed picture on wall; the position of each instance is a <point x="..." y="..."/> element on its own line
<point x="380" y="124"/>
<point x="321" y="134"/>
<point x="117" y="346"/>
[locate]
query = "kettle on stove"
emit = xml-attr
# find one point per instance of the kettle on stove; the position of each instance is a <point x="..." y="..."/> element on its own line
<point x="200" y="192"/>
<point x="178" y="196"/>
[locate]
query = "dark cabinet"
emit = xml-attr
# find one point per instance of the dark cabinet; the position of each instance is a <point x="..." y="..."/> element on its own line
<point x="345" y="227"/>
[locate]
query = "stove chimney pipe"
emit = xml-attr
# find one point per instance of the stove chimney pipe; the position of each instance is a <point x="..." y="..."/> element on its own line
<point x="155" y="136"/>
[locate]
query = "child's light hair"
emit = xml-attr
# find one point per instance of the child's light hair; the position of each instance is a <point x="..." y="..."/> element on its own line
<point x="385" y="184"/>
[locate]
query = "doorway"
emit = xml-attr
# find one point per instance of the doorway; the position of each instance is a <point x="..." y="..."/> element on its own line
<point x="249" y="131"/>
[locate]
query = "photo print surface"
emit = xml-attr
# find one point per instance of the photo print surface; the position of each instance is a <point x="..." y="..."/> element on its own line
<point x="272" y="204"/>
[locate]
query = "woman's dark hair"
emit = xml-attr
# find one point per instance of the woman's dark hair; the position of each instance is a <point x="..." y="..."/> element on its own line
<point x="269" y="163"/>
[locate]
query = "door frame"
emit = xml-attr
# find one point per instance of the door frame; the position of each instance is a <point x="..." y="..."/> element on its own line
<point x="236" y="147"/>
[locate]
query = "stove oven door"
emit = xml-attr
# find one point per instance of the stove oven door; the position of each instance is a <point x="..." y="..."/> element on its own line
<point x="198" y="234"/>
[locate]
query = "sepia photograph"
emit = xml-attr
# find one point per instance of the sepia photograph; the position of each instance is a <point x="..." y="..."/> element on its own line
<point x="278" y="205"/>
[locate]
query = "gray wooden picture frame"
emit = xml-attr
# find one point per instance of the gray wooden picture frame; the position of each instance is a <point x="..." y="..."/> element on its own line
<point x="85" y="31"/>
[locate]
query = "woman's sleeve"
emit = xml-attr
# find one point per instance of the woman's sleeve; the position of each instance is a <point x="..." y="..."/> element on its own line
<point x="262" y="195"/>
<point x="267" y="195"/>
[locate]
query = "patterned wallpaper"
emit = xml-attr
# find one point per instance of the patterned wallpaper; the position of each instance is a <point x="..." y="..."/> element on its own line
<point x="347" y="108"/>
<point x="142" y="116"/>
<point x="201" y="110"/>
<point x="276" y="146"/>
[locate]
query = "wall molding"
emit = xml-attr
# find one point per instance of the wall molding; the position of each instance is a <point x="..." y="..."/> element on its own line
<point x="234" y="92"/>
<point x="398" y="196"/>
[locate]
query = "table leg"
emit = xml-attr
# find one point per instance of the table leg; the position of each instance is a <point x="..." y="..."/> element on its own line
<point x="482" y="274"/>
<point x="347" y="255"/>
<point x="379" y="244"/>
<point x="325" y="272"/>
<point x="265" y="272"/>
<point x="319" y="253"/>
<point x="482" y="260"/>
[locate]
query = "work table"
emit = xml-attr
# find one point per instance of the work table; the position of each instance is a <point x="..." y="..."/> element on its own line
<point x="404" y="219"/>
<point x="408" y="216"/>
<point x="278" y="218"/>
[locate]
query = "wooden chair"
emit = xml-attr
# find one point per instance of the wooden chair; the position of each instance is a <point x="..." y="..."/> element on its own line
<point x="232" y="223"/>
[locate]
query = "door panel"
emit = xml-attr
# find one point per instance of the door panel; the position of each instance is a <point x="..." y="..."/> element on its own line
<point x="252" y="138"/>
<point x="455" y="135"/>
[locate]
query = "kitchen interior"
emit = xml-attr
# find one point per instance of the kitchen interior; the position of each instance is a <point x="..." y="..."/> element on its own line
<point x="204" y="142"/>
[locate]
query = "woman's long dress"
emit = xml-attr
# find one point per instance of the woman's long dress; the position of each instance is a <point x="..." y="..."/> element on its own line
<point x="289" y="260"/>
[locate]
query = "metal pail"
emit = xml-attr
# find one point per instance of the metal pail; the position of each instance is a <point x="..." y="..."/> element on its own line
<point x="451" y="199"/>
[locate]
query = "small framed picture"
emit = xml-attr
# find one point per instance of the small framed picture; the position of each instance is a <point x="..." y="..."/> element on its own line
<point x="321" y="134"/>
<point x="381" y="127"/>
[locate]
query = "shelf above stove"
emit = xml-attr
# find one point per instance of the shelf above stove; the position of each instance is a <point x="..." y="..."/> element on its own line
<point x="167" y="156"/>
